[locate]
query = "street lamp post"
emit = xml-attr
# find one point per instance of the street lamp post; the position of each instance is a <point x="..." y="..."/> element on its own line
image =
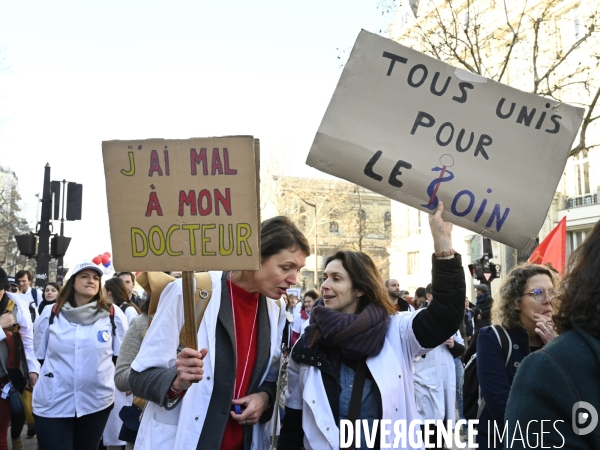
<point x="314" y="206"/>
<point x="316" y="272"/>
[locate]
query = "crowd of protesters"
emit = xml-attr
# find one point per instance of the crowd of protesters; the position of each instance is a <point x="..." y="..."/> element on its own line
<point x="79" y="363"/>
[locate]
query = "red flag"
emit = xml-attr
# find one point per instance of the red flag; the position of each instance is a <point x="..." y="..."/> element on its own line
<point x="553" y="249"/>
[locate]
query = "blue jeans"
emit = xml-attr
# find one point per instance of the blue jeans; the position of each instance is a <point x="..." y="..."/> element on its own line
<point x="460" y="370"/>
<point x="369" y="407"/>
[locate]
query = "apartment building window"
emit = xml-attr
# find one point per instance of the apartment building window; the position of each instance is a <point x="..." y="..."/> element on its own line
<point x="334" y="226"/>
<point x="568" y="28"/>
<point x="576" y="28"/>
<point x="414" y="221"/>
<point x="413" y="263"/>
<point x="582" y="173"/>
<point x="575" y="239"/>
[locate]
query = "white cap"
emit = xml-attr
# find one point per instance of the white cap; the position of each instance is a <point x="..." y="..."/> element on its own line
<point x="85" y="265"/>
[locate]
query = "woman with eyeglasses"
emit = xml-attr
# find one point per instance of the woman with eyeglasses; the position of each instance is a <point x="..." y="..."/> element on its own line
<point x="556" y="391"/>
<point x="521" y="324"/>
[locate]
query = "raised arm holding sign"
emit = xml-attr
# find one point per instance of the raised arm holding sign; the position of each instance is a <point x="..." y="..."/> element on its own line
<point x="418" y="130"/>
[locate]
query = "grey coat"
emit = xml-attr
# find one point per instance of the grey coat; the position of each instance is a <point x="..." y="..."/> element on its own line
<point x="129" y="350"/>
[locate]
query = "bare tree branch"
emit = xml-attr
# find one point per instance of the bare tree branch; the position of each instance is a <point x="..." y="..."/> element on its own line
<point x="584" y="126"/>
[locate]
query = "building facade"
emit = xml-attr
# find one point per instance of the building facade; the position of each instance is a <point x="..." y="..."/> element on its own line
<point x="11" y="223"/>
<point x="545" y="47"/>
<point x="334" y="215"/>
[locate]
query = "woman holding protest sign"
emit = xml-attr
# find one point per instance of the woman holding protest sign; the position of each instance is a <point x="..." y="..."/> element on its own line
<point x="556" y="395"/>
<point x="78" y="340"/>
<point x="220" y="396"/>
<point x="356" y="342"/>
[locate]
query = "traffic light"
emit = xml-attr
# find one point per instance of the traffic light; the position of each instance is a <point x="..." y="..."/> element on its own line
<point x="74" y="195"/>
<point x="494" y="271"/>
<point x="476" y="270"/>
<point x="27" y="244"/>
<point x="484" y="270"/>
<point x="59" y="246"/>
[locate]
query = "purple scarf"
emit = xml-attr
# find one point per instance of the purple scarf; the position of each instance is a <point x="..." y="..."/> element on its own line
<point x="356" y="335"/>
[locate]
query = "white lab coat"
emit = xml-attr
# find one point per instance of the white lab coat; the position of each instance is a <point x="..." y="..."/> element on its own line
<point x="300" y="324"/>
<point x="392" y="370"/>
<point x="180" y="428"/>
<point x="23" y="317"/>
<point x="435" y="383"/>
<point x="110" y="436"/>
<point x="130" y="313"/>
<point x="28" y="297"/>
<point x="77" y="377"/>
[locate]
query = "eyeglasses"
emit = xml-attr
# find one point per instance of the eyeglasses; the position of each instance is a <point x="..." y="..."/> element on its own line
<point x="539" y="295"/>
<point x="14" y="289"/>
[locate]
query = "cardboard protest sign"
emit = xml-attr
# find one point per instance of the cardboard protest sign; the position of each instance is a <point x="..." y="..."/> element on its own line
<point x="418" y="130"/>
<point x="188" y="204"/>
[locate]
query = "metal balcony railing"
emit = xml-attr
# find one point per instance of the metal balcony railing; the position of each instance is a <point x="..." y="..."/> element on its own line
<point x="582" y="200"/>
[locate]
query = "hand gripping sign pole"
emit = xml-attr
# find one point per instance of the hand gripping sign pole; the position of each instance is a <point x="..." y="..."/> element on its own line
<point x="194" y="305"/>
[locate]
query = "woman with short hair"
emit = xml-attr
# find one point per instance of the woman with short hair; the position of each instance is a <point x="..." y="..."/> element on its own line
<point x="221" y="395"/>
<point x="78" y="340"/>
<point x="523" y="314"/>
<point x="358" y="351"/>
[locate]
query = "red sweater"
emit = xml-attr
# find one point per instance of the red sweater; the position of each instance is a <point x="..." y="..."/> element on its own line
<point x="245" y="314"/>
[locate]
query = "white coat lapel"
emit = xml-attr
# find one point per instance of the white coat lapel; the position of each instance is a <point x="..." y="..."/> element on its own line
<point x="388" y="376"/>
<point x="211" y="313"/>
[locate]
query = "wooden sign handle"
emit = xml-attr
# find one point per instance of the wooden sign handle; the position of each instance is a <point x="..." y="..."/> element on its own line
<point x="189" y="334"/>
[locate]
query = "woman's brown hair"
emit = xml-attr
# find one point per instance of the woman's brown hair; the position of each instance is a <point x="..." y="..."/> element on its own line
<point x="120" y="295"/>
<point x="504" y="309"/>
<point x="280" y="233"/>
<point x="54" y="285"/>
<point x="67" y="294"/>
<point x="365" y="277"/>
<point x="580" y="296"/>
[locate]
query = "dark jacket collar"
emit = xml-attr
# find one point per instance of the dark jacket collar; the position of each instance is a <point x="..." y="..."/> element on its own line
<point x="593" y="343"/>
<point x="317" y="356"/>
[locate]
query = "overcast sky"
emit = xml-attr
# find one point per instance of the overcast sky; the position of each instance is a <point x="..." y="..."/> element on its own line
<point x="75" y="73"/>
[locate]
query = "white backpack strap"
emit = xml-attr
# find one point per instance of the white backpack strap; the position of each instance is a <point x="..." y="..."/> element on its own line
<point x="500" y="342"/>
<point x="510" y="347"/>
<point x="481" y="403"/>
